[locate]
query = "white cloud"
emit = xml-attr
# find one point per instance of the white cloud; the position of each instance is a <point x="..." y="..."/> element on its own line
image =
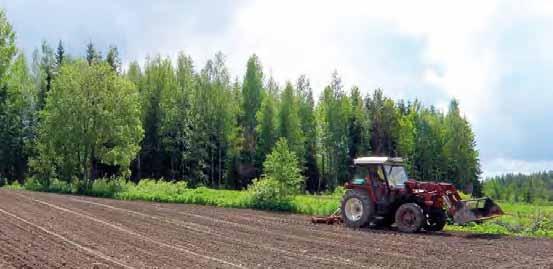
<point x="504" y="166"/>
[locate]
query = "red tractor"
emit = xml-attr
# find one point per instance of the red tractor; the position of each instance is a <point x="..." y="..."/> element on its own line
<point x="381" y="194"/>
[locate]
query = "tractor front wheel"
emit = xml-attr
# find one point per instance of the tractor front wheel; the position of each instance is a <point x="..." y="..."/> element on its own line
<point x="409" y="218"/>
<point x="357" y="208"/>
<point x="436" y="220"/>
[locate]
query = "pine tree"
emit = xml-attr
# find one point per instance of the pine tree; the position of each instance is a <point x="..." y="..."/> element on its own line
<point x="266" y="130"/>
<point x="384" y="118"/>
<point x="461" y="158"/>
<point x="92" y="55"/>
<point x="60" y="54"/>
<point x="45" y="63"/>
<point x="215" y="110"/>
<point x="158" y="85"/>
<point x="309" y="129"/>
<point x="289" y="124"/>
<point x="334" y="111"/>
<point x="252" y="96"/>
<point x="113" y="59"/>
<point x="359" y="127"/>
<point x="134" y="73"/>
<point x="16" y="115"/>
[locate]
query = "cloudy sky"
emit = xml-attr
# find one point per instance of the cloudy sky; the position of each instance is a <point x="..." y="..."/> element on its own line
<point x="495" y="57"/>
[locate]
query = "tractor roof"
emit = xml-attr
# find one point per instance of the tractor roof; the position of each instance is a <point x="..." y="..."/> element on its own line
<point x="378" y="160"/>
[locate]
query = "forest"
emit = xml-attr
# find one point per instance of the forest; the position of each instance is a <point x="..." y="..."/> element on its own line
<point x="532" y="188"/>
<point x="79" y="118"/>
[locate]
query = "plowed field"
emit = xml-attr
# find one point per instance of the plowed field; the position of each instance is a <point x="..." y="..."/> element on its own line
<point x="40" y="230"/>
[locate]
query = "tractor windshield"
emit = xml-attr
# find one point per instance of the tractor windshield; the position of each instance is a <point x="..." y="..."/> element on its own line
<point x="396" y="175"/>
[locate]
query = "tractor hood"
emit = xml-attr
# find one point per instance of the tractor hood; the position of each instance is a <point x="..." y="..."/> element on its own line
<point x="424" y="186"/>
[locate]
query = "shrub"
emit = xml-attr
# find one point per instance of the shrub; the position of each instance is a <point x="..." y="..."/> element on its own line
<point x="59" y="186"/>
<point x="78" y="186"/>
<point x="282" y="179"/>
<point x="33" y="184"/>
<point x="267" y="193"/>
<point x="14" y="186"/>
<point x="108" y="187"/>
<point x="283" y="167"/>
<point x="154" y="190"/>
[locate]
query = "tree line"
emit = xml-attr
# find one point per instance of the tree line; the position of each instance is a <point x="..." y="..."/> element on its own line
<point x="86" y="117"/>
<point x="530" y="188"/>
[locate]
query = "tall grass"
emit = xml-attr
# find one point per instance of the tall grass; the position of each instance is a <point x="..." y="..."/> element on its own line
<point x="520" y="219"/>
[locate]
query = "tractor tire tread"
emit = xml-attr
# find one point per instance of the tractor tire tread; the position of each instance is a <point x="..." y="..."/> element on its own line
<point x="420" y="218"/>
<point x="368" y="208"/>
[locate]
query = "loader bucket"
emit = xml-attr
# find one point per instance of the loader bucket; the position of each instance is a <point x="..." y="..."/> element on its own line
<point x="476" y="210"/>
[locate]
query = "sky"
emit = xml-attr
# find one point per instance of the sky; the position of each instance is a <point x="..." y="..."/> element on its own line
<point x="495" y="57"/>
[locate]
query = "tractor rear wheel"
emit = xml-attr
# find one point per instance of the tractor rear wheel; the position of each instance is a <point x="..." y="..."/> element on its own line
<point x="436" y="220"/>
<point x="410" y="218"/>
<point x="357" y="208"/>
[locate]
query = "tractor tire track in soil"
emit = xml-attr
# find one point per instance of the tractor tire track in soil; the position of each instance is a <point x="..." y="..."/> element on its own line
<point x="41" y="230"/>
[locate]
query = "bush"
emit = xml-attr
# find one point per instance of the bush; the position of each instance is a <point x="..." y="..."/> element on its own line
<point x="14" y="186"/>
<point x="282" y="179"/>
<point x="59" y="186"/>
<point x="78" y="186"/>
<point x="268" y="194"/>
<point x="154" y="190"/>
<point x="32" y="184"/>
<point x="108" y="188"/>
<point x="283" y="167"/>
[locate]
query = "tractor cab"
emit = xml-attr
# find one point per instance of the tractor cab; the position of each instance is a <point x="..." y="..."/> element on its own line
<point x="379" y="176"/>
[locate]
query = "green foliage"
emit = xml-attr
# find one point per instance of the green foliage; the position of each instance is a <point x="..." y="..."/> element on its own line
<point x="266" y="123"/>
<point x="252" y="96"/>
<point x="532" y="188"/>
<point x="282" y="179"/>
<point x="289" y="124"/>
<point x="60" y="54"/>
<point x="59" y="186"/>
<point x="384" y="118"/>
<point x="93" y="56"/>
<point x="91" y="116"/>
<point x="522" y="219"/>
<point x="15" y="104"/>
<point x="268" y="193"/>
<point x="79" y="119"/>
<point x="13" y="186"/>
<point x="32" y="184"/>
<point x="214" y="107"/>
<point x="108" y="188"/>
<point x="17" y="98"/>
<point x="320" y="205"/>
<point x="7" y="45"/>
<point x="333" y="114"/>
<point x="112" y="58"/>
<point x="309" y="129"/>
<point x="459" y="151"/>
<point x="359" y="127"/>
<point x="154" y="190"/>
<point x="283" y="167"/>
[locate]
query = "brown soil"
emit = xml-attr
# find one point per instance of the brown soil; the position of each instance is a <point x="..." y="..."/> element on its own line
<point x="39" y="230"/>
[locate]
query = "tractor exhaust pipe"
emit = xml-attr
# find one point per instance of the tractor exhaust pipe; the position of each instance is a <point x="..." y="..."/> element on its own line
<point x="476" y="210"/>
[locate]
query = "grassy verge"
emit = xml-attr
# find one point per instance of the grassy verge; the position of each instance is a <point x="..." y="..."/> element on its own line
<point x="522" y="219"/>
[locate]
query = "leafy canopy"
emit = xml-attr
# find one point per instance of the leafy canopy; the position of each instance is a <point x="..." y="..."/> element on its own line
<point x="91" y="116"/>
